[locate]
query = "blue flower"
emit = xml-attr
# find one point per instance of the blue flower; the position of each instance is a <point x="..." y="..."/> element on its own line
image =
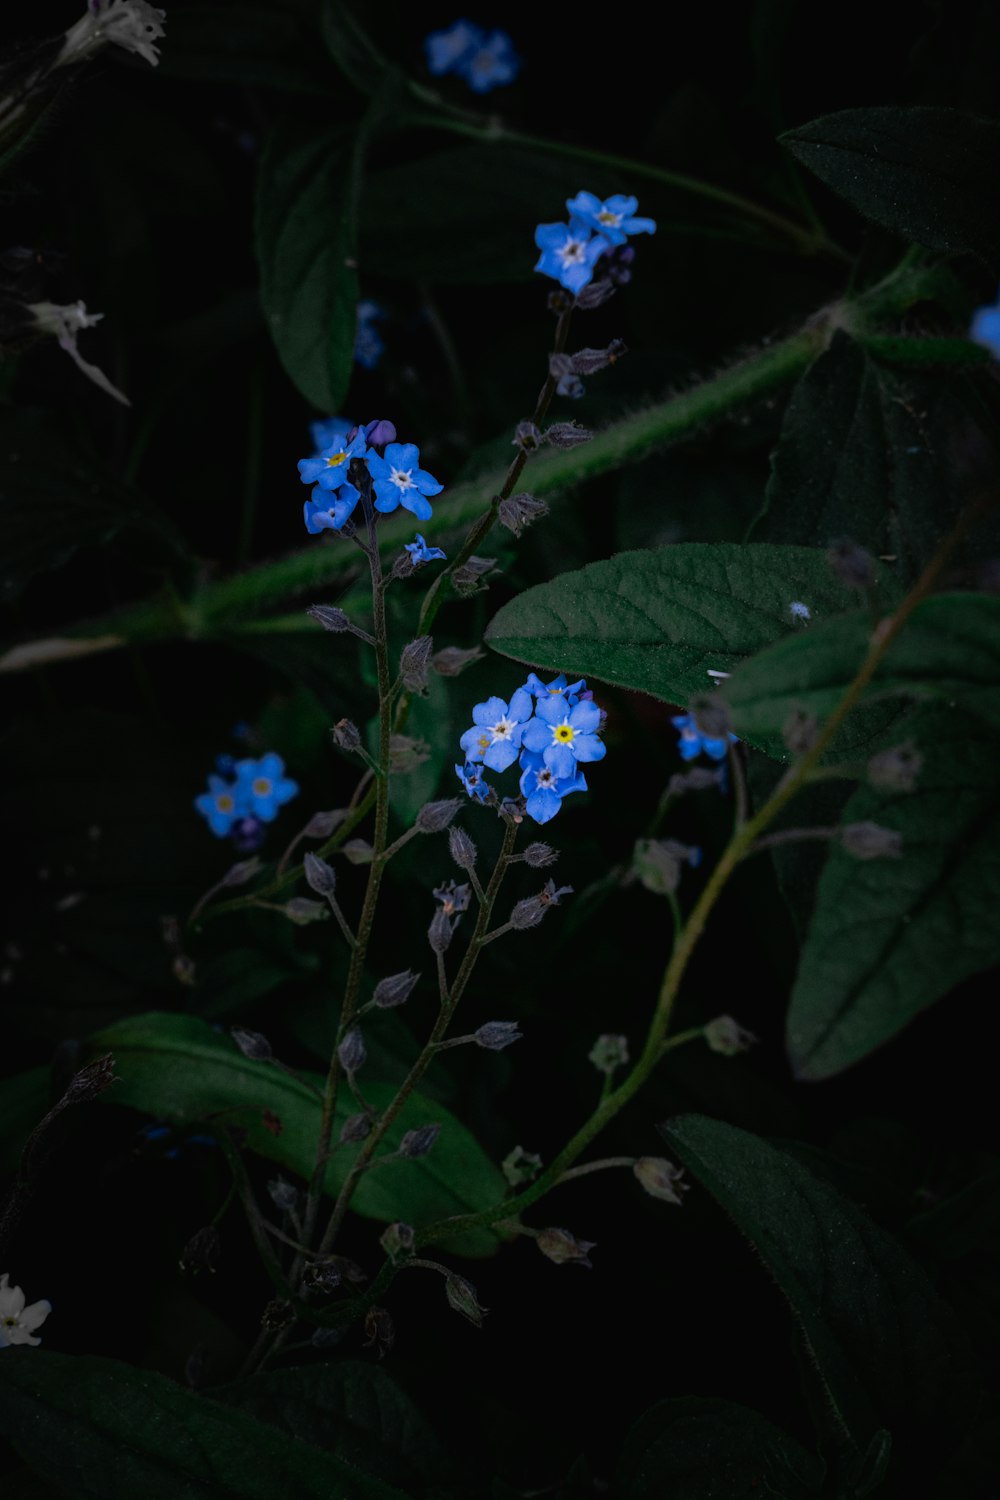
<point x="569" y="253"/>
<point x="475" y="784"/>
<point x="557" y="688"/>
<point x="327" y="431"/>
<point x="985" y="328"/>
<point x="564" y="735"/>
<point x="490" y="63"/>
<point x="248" y="835"/>
<point x="264" y="787"/>
<point x="614" y="218"/>
<point x="326" y="512"/>
<point x="222" y="805"/>
<point x="495" y="736"/>
<point x="693" y="742"/>
<point x="329" y="467"/>
<point x="368" y="345"/>
<point x="446" y="50"/>
<point x="421" y="553"/>
<point x="399" y="480"/>
<point x="543" y="789"/>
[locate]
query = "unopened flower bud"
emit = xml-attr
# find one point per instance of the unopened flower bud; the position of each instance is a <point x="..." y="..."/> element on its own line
<point x="453" y="659"/>
<point x="567" y="435"/>
<point x="461" y="848"/>
<point x="320" y="1278"/>
<point x="728" y="1037"/>
<point x="358" y="851"/>
<point x="251" y="1043"/>
<point x="414" y="661"/>
<point x="330" y="617"/>
<point x="595" y="294"/>
<point x="518" y="511"/>
<point x="352" y="1051"/>
<point x="711" y="715"/>
<point x="322" y="878"/>
<point x="496" y="1035"/>
<point x="380" y="433"/>
<point x="394" y="990"/>
<point x="345" y="735"/>
<point x="897" y="769"/>
<point x="322" y="824"/>
<point x="433" y="817"/>
<point x="397" y="1241"/>
<point x="462" y="1298"/>
<point x="658" y="863"/>
<point x="661" y="1179"/>
<point x="521" y="1166"/>
<point x="380" y="1331"/>
<point x="589" y="361"/>
<point x="538" y="856"/>
<point x="282" y="1194"/>
<point x="527" y="436"/>
<point x="618" y="263"/>
<point x="851" y="564"/>
<point x="355" y="1128"/>
<point x="527" y="913"/>
<point x="561" y="1246"/>
<point x="242" y="872"/>
<point x="800" y="731"/>
<point x="90" y="1081"/>
<point x="418" y="1142"/>
<point x="467" y="578"/>
<point x="609" y="1053"/>
<point x="403" y="565"/>
<point x="201" y="1251"/>
<point x="302" y="911"/>
<point x="440" y="932"/>
<point x="871" y="841"/>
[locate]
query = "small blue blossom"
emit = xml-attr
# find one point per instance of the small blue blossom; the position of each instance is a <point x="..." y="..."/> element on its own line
<point x="263" y="786"/>
<point x="399" y="480"/>
<point x="221" y="806"/>
<point x="490" y="63"/>
<point x="368" y="345"/>
<point x="985" y="328"/>
<point x="565" y="735"/>
<point x="614" y="218"/>
<point x="495" y="736"/>
<point x="799" y="611"/>
<point x="326" y="512"/>
<point x="557" y="688"/>
<point x="571" y="386"/>
<point x="328" y="469"/>
<point x="543" y="789"/>
<point x="446" y="50"/>
<point x="327" y="431"/>
<point x="473" y="781"/>
<point x="569" y="253"/>
<point x="421" y="553"/>
<point x="693" y="742"/>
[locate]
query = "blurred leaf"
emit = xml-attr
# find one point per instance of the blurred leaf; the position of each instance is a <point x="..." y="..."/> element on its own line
<point x="925" y="174"/>
<point x="890" y="936"/>
<point x="353" y="1409"/>
<point x="692" y="1448"/>
<point x="886" y="1347"/>
<point x="98" y="1428"/>
<point x="254" y="44"/>
<point x="180" y="1069"/>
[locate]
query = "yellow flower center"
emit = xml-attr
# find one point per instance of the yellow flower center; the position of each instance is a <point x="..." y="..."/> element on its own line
<point x="564" y="734"/>
<point x="224" y="803"/>
<point x="484" y="742"/>
<point x="10" y="1322"/>
<point x="607" y="217"/>
<point x="262" y="787"/>
<point x="335" y="459"/>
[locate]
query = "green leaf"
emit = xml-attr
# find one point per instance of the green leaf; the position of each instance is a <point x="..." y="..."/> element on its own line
<point x="177" y="1067"/>
<point x="307" y="255"/>
<point x="890" y="936"/>
<point x="886" y="1347"/>
<point x="692" y="1448"/>
<point x="949" y="649"/>
<point x="925" y="174"/>
<point x="98" y="1428"/>
<point x="656" y="621"/>
<point x="350" y="1408"/>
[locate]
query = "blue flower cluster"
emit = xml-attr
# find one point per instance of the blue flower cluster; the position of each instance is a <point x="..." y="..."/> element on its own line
<point x="550" y="728"/>
<point x="693" y="742"/>
<point x="486" y="60"/>
<point x="394" y="467"/>
<point x="244" y="797"/>
<point x="571" y="251"/>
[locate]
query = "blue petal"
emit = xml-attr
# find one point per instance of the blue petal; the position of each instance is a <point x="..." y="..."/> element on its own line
<point x="552" y="709"/>
<point x="543" y="804"/>
<point x="584" y="204"/>
<point x="537" y="735"/>
<point x="560" y="760"/>
<point x="500" y="755"/>
<point x="521" y="705"/>
<point x="415" y="503"/>
<point x="588" y="747"/>
<point x="586" y="716"/>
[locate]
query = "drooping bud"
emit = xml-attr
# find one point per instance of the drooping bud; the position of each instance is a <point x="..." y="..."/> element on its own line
<point x="496" y="1035"/>
<point x="567" y="435"/>
<point x="609" y="1053"/>
<point x="896" y="769"/>
<point x="618" y="263"/>
<point x="661" y="1179"/>
<point x="201" y="1251"/>
<point x="346" y="735"/>
<point x="595" y="294"/>
<point x="711" y="715"/>
<point x="800" y="731"/>
<point x="560" y="1246"/>
<point x="434" y="817"/>
<point x="355" y="1128"/>
<point x="322" y="824"/>
<point x="461" y="848"/>
<point x="251" y="1043"/>
<point x="527" y="437"/>
<point x="358" y="852"/>
<point x="727" y="1036"/>
<point x="589" y="361"/>
<point x="418" y="1142"/>
<point x="283" y="1194"/>
<point x="352" y="1051"/>
<point x="851" y="564"/>
<point x="453" y="659"/>
<point x="467" y="578"/>
<point x="302" y="911"/>
<point x="538" y="856"/>
<point x="322" y="878"/>
<point x="397" y="1241"/>
<point x="521" y="1166"/>
<point x="380" y="1331"/>
<point x="440" y="932"/>
<point x="518" y="511"/>
<point x="330" y="617"/>
<point x="869" y="840"/>
<point x="462" y="1298"/>
<point x="242" y="872"/>
<point x="527" y="913"/>
<point x="414" y="661"/>
<point x="395" y="990"/>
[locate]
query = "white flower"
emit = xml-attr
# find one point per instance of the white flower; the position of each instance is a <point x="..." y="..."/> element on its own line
<point x="17" y="1322"/>
<point x="133" y="24"/>
<point x="65" y="322"/>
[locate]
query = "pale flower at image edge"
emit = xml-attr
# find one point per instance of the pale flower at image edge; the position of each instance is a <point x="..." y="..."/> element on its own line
<point x="18" y="1322"/>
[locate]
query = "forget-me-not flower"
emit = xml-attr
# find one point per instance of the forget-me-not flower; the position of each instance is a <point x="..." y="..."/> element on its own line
<point x="329" y="430"/>
<point x="447" y="49"/>
<point x="328" y="468"/>
<point x="221" y="806"/>
<point x="564" y="735"/>
<point x="368" y="345"/>
<point x="614" y="218"/>
<point x="326" y="512"/>
<point x="543" y="789"/>
<point x="693" y="741"/>
<point x="263" y="786"/>
<point x="985" y="328"/>
<point x="490" y="63"/>
<point x="399" y="480"/>
<point x="18" y="1322"/>
<point x="421" y="553"/>
<point x="497" y="728"/>
<point x="569" y="253"/>
<point x="473" y="780"/>
<point x="557" y="688"/>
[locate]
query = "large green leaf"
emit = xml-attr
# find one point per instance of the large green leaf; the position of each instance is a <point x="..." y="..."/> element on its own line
<point x="689" y="1448"/>
<point x="926" y="174"/>
<point x="887" y="1349"/>
<point x="657" y="621"/>
<point x="97" y="1428"/>
<point x="307" y="255"/>
<point x="949" y="649"/>
<point x="889" y="937"/>
<point x="177" y="1067"/>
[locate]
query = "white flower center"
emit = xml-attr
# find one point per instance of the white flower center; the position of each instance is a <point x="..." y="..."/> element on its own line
<point x="402" y="478"/>
<point x="545" y="777"/>
<point x="571" y="253"/>
<point x="502" y="729"/>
